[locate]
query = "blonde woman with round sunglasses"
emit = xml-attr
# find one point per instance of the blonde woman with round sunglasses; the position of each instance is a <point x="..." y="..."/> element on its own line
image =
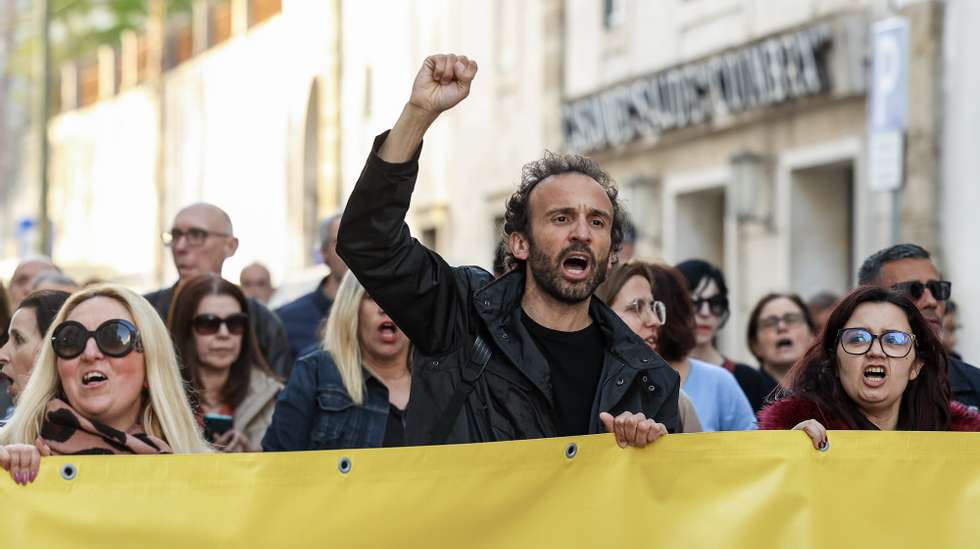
<point x="106" y="381"/>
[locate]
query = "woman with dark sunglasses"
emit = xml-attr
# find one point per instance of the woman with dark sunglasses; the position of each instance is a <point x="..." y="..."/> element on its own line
<point x="232" y="386"/>
<point x="709" y="293"/>
<point x="877" y="366"/>
<point x="105" y="382"/>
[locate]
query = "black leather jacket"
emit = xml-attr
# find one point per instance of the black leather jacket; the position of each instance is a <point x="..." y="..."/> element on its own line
<point x="443" y="309"/>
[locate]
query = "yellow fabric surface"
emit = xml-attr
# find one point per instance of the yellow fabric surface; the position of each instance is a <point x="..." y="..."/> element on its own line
<point x="750" y="489"/>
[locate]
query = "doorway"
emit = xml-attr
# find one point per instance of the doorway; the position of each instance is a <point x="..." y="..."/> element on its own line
<point x="822" y="229"/>
<point x="700" y="226"/>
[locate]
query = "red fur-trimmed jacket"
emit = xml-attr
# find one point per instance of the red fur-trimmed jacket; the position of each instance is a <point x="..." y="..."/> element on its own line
<point x="789" y="412"/>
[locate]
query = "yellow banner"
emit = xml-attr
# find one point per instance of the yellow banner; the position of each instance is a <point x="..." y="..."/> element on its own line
<point x="751" y="490"/>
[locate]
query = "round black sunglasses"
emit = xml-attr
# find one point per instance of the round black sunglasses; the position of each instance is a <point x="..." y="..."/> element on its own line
<point x="116" y="338"/>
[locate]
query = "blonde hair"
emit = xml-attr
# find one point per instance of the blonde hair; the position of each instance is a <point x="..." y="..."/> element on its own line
<point x="167" y="415"/>
<point x="341" y="336"/>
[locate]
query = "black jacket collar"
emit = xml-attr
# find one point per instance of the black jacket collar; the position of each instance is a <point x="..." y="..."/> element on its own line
<point x="497" y="302"/>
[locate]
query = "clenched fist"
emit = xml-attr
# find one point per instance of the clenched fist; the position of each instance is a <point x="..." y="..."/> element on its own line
<point x="442" y="82"/>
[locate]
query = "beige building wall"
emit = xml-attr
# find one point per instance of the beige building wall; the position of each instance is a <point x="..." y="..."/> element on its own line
<point x="472" y="155"/>
<point x="249" y="126"/>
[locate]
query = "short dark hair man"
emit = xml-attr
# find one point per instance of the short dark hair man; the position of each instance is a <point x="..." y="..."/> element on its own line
<point x="304" y="316"/>
<point x="201" y="239"/>
<point x="531" y="354"/>
<point x="909" y="268"/>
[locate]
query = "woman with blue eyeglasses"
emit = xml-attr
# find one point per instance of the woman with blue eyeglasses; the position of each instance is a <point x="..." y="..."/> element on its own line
<point x="877" y="366"/>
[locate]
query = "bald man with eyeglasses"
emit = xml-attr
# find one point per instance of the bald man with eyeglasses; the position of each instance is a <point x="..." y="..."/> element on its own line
<point x="200" y="240"/>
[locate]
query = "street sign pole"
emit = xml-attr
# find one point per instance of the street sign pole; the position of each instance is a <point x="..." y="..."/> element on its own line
<point x="43" y="8"/>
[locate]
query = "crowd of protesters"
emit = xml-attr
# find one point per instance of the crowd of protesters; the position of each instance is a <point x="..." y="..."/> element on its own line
<point x="395" y="347"/>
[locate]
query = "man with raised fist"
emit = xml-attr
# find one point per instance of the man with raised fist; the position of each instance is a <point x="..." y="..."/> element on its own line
<point x="531" y="354"/>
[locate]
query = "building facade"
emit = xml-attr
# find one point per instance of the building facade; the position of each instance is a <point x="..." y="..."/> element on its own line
<point x="737" y="130"/>
<point x="738" y="133"/>
<point x="472" y="156"/>
<point x="248" y="121"/>
<point x="273" y="122"/>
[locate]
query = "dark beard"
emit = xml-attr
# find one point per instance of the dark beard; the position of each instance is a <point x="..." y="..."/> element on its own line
<point x="548" y="275"/>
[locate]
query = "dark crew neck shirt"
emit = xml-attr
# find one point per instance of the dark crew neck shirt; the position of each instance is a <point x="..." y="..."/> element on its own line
<point x="575" y="360"/>
<point x="394" y="428"/>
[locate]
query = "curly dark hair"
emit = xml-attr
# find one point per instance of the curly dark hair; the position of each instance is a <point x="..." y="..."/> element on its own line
<point x="925" y="403"/>
<point x="517" y="217"/>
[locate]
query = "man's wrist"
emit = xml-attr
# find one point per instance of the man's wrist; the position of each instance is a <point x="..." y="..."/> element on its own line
<point x="419" y="115"/>
<point x="406" y="136"/>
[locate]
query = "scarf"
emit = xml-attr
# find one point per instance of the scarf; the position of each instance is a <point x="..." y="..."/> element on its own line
<point x="67" y="432"/>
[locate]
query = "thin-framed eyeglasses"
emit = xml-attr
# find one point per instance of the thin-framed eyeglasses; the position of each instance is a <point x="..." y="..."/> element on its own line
<point x="788" y="319"/>
<point x="858" y="341"/>
<point x="195" y="237"/>
<point x="639" y="306"/>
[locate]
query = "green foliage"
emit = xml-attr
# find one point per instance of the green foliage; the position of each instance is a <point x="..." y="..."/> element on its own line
<point x="79" y="27"/>
<point x="88" y="24"/>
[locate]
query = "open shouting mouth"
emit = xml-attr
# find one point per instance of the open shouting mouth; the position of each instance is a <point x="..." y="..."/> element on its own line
<point x="388" y="331"/>
<point x="875" y="376"/>
<point x="577" y="266"/>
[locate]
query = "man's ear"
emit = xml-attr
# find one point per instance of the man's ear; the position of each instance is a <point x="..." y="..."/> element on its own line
<point x="231" y="246"/>
<point x="520" y="248"/>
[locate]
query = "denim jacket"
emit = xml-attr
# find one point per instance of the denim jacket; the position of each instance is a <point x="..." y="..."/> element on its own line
<point x="315" y="412"/>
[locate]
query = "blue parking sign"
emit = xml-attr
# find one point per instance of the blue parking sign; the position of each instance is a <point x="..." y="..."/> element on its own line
<point x="888" y="103"/>
<point x="889" y="75"/>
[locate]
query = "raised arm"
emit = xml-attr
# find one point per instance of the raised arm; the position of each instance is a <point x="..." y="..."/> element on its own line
<point x="413" y="284"/>
<point x="442" y="82"/>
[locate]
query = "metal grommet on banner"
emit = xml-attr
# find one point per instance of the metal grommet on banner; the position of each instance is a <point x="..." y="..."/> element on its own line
<point x="69" y="471"/>
<point x="824" y="446"/>
<point x="571" y="450"/>
<point x="344" y="465"/>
